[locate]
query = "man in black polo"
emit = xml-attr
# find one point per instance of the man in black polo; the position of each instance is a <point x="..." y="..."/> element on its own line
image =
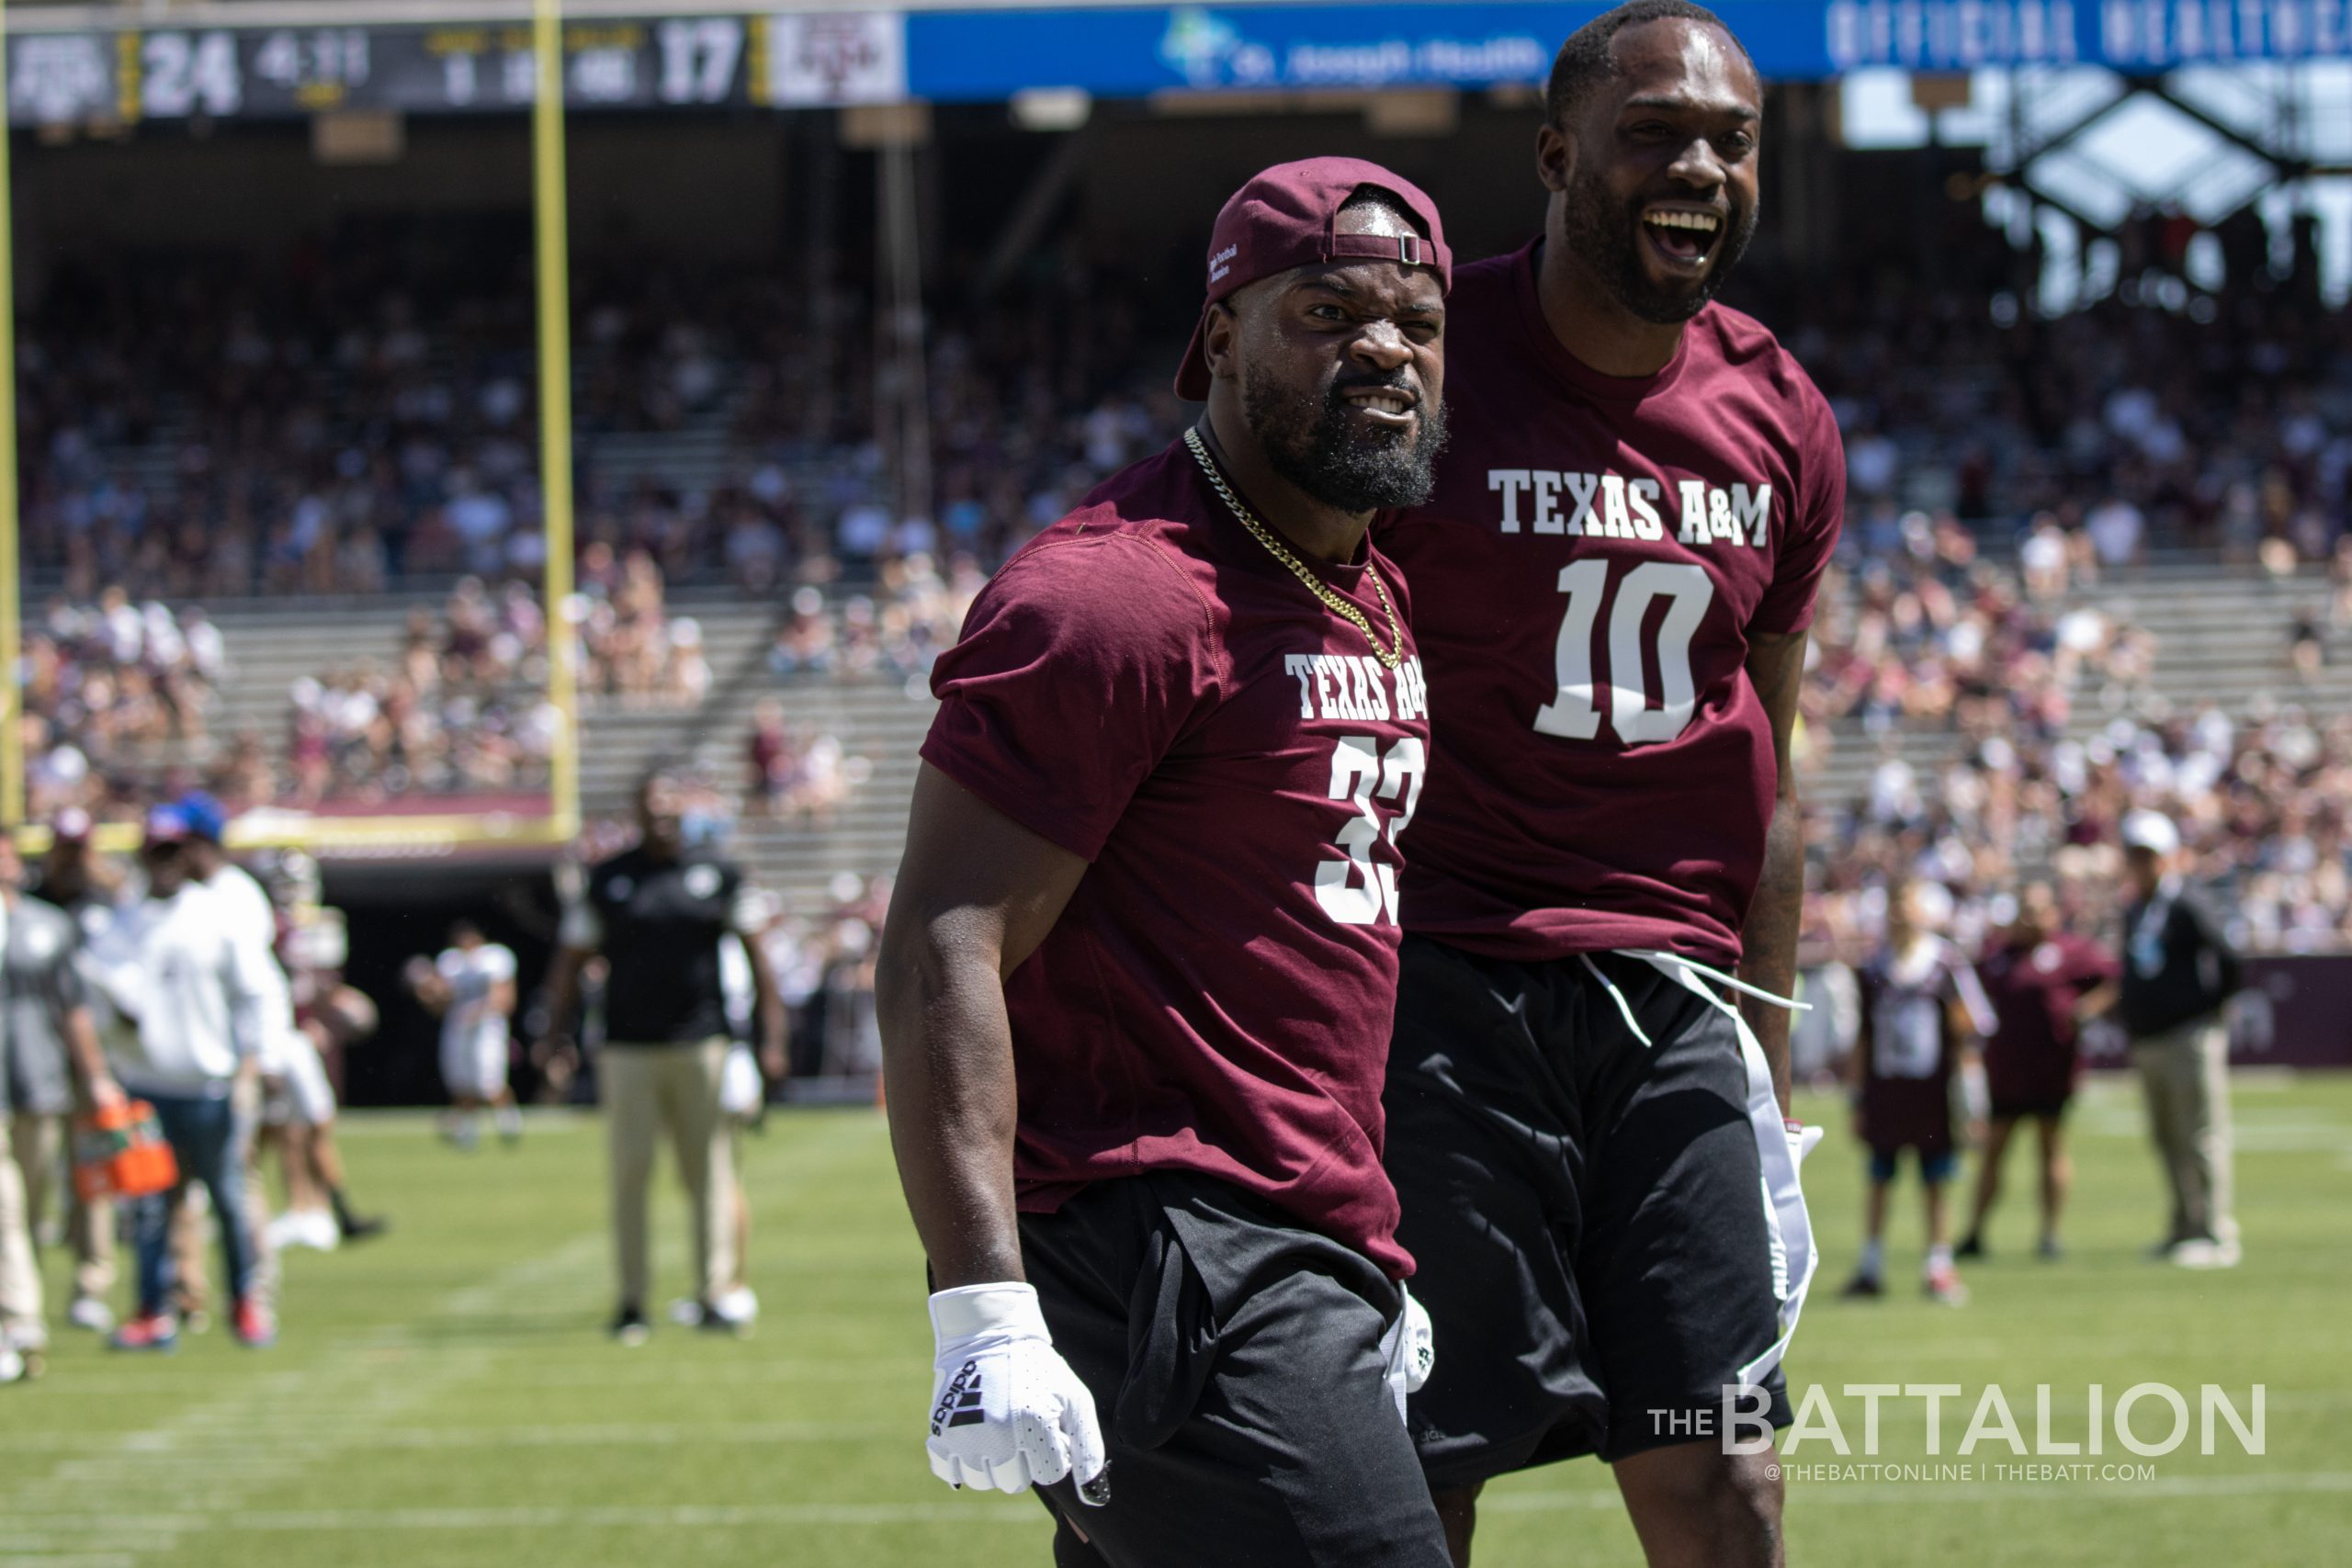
<point x="660" y="913"/>
<point x="2178" y="974"/>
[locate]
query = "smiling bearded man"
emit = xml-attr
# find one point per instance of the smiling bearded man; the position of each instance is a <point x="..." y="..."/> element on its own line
<point x="1614" y="579"/>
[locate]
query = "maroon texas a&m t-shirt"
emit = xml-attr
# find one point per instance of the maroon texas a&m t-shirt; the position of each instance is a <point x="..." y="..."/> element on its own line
<point x="2029" y="1060"/>
<point x="1588" y="575"/>
<point x="1145" y="685"/>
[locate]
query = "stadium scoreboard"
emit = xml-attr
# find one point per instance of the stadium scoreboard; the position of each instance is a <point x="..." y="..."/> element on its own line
<point x="179" y="74"/>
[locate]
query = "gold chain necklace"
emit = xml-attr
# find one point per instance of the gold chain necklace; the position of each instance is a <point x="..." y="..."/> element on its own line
<point x="1390" y="657"/>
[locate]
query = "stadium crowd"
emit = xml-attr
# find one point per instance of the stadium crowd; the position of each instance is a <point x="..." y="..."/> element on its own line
<point x="329" y="433"/>
<point x="2055" y="731"/>
<point x="110" y="685"/>
<point x="360" y="416"/>
<point x="333" y="428"/>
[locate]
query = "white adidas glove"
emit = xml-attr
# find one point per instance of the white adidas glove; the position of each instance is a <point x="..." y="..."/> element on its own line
<point x="1006" y="1411"/>
<point x="1411" y="1344"/>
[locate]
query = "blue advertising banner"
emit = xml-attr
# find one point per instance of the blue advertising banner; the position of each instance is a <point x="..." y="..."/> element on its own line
<point x="979" y="55"/>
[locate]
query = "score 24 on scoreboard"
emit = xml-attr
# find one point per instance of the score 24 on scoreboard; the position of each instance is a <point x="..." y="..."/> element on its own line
<point x="179" y="74"/>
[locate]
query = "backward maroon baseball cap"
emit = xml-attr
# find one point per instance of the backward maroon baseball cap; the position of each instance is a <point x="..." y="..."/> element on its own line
<point x="1287" y="216"/>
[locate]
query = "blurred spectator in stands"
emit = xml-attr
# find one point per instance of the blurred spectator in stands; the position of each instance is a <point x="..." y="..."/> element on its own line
<point x="805" y="642"/>
<point x="769" y="753"/>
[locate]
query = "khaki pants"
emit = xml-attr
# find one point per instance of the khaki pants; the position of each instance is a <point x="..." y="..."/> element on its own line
<point x="2185" y="1073"/>
<point x="89" y="1228"/>
<point x="651" y="1089"/>
<point x="21" y="1319"/>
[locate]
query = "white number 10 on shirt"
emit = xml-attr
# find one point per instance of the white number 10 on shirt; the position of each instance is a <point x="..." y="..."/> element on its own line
<point x="1357" y="891"/>
<point x="1575" y="713"/>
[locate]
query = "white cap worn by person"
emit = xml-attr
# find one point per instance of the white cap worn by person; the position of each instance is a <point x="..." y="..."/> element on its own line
<point x="2152" y="831"/>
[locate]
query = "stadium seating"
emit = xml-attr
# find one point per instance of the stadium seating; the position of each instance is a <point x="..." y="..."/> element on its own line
<point x="2221" y="638"/>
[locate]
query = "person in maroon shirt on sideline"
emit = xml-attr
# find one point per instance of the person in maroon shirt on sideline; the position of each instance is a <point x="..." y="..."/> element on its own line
<point x="1613" y="585"/>
<point x="2036" y="975"/>
<point x="1923" y="1020"/>
<point x="1138" y="979"/>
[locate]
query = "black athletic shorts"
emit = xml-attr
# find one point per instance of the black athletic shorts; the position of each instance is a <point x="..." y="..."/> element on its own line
<point x="1235" y="1364"/>
<point x="1586" y="1212"/>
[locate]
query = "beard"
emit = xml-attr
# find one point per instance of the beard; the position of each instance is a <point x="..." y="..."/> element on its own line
<point x="1311" y="440"/>
<point x="1601" y="230"/>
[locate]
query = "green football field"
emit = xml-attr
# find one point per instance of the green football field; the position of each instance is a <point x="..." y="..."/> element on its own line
<point x="445" y="1395"/>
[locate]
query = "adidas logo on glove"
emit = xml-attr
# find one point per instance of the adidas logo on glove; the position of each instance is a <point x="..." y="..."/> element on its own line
<point x="960" y="1403"/>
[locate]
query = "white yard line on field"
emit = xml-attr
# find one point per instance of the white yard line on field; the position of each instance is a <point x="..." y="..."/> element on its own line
<point x="334" y="1428"/>
<point x="1025" y="1513"/>
<point x="739" y="1515"/>
<point x="1807" y="1494"/>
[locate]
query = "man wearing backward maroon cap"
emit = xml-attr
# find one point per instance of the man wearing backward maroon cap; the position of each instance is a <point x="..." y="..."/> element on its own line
<point x="1136" y="983"/>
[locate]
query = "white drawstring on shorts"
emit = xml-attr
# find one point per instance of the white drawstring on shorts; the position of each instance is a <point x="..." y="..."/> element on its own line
<point x="1624" y="1008"/>
<point x="1657" y="960"/>
<point x="1669" y="963"/>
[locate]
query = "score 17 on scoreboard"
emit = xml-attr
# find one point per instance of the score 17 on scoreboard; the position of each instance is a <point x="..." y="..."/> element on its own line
<point x="104" y="79"/>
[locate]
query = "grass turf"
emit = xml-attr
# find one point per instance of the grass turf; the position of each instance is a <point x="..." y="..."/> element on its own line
<point x="445" y="1395"/>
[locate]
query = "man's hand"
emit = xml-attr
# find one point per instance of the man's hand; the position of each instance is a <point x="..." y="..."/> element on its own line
<point x="1006" y="1411"/>
<point x="1411" y="1344"/>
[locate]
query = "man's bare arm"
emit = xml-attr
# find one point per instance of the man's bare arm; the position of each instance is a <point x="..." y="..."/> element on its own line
<point x="1769" y="941"/>
<point x="562" y="1006"/>
<point x="80" y="1029"/>
<point x="771" y="1024"/>
<point x="975" y="894"/>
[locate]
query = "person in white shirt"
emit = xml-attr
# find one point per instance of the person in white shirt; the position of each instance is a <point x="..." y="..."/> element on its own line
<point x="471" y="987"/>
<point x="191" y="1001"/>
<point x="298" y="1113"/>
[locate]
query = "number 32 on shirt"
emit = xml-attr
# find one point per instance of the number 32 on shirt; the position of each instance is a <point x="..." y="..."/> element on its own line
<point x="1359" y="891"/>
<point x="1575" y="712"/>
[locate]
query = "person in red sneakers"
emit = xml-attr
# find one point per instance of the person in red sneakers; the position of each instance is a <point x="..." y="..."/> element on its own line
<point x="192" y="1001"/>
<point x="1924" y="1019"/>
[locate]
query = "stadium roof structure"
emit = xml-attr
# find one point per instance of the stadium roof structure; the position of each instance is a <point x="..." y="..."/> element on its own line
<point x="2102" y="149"/>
